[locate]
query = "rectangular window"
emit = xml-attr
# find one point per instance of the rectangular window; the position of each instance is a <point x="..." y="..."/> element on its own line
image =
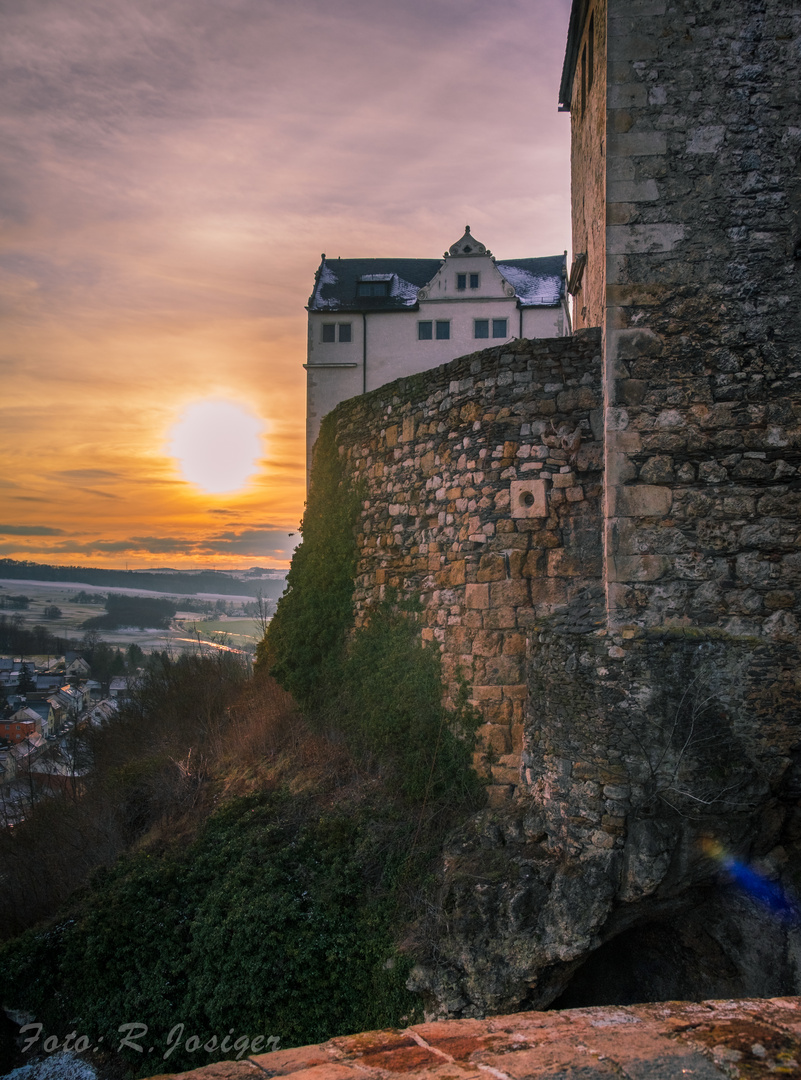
<point x="461" y="281"/>
<point x="474" y="281"/>
<point x="424" y="331"/>
<point x="372" y="288"/>
<point x="443" y="330"/>
<point x="344" y="331"/>
<point x="481" y="328"/>
<point x="329" y="331"/>
<point x="499" y="327"/>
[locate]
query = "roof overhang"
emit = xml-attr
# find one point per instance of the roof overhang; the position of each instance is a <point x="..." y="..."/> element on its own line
<point x="578" y="16"/>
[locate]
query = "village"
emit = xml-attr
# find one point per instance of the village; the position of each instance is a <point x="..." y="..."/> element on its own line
<point x="48" y="710"/>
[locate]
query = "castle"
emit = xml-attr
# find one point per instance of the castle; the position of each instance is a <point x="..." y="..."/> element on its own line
<point x="603" y="529"/>
<point x="372" y="320"/>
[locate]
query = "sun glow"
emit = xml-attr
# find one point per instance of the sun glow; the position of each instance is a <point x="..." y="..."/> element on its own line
<point x="217" y="445"/>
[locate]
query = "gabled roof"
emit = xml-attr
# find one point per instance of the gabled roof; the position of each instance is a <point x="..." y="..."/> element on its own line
<point x="337" y="280"/>
<point x="537" y="282"/>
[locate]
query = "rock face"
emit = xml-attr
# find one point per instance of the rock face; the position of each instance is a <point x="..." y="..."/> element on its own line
<point x="708" y="1041"/>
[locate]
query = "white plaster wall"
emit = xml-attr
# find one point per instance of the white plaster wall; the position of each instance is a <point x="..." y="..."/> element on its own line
<point x="393" y="346"/>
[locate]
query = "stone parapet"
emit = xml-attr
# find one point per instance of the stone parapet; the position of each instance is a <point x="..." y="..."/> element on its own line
<point x="664" y="1041"/>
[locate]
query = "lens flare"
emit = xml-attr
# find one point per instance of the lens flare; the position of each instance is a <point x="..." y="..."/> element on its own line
<point x="756" y="885"/>
<point x="217" y="445"/>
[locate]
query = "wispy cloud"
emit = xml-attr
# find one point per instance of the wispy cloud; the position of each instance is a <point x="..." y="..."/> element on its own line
<point x="29" y="530"/>
<point x="170" y="175"/>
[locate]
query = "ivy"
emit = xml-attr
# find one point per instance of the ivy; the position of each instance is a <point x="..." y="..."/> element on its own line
<point x="306" y="636"/>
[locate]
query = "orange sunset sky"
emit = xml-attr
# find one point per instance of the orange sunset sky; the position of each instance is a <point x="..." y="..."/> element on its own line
<point x="171" y="171"/>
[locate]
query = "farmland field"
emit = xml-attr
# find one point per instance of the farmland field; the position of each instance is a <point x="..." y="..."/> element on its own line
<point x="240" y="633"/>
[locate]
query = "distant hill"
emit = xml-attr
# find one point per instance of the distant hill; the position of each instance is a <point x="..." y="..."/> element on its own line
<point x="203" y="581"/>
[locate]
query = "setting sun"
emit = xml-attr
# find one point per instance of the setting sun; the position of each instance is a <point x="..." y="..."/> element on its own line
<point x="217" y="445"/>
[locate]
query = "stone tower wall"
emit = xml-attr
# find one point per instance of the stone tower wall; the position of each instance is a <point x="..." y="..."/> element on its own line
<point x="482" y="498"/>
<point x="702" y="320"/>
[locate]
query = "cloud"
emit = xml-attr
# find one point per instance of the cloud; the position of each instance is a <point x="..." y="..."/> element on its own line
<point x="30" y="530"/>
<point x="171" y="173"/>
<point x="88" y="474"/>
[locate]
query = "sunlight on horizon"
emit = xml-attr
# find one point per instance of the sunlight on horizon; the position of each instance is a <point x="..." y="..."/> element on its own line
<point x="217" y="445"/>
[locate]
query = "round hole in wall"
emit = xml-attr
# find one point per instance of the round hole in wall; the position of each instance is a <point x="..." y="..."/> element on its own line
<point x="526" y="498"/>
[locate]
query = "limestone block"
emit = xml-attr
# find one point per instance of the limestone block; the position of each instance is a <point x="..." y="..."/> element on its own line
<point x="509" y="593"/>
<point x="407" y="433"/>
<point x="706" y="140"/>
<point x="391" y="435"/>
<point x="495" y="737"/>
<point x="477" y="596"/>
<point x="636" y="239"/>
<point x="487" y="643"/>
<point x="564" y="480"/>
<point x="637" y="143"/>
<point x="528" y="498"/>
<point x="632" y="190"/>
<point x="515" y="644"/>
<point x="506" y="774"/>
<point x="499" y="795"/>
<point x="491" y="567"/>
<point x="457" y="571"/>
<point x="641" y="500"/>
<point x="482" y="694"/>
<point x="502" y="618"/>
<point x="504" y="669"/>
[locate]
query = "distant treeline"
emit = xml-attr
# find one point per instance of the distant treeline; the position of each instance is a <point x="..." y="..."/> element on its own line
<point x="19" y="640"/>
<point x="141" y="611"/>
<point x="207" y="581"/>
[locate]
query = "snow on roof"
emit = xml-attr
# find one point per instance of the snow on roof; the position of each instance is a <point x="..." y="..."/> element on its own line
<point x="533" y="289"/>
<point x="538" y="282"/>
<point x="405" y="290"/>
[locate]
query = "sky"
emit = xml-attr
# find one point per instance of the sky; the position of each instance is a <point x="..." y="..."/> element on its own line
<point x="171" y="171"/>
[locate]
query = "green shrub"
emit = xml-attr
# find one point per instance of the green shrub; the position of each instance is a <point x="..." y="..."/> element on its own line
<point x="274" y="922"/>
<point x="307" y="632"/>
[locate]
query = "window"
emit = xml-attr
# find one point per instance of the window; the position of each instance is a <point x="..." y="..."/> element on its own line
<point x="443" y="330"/>
<point x="481" y="328"/>
<point x="461" y="281"/>
<point x="424" y="331"/>
<point x="499" y="327"/>
<point x="330" y="331"/>
<point x="372" y="288"/>
<point x="474" y="281"/>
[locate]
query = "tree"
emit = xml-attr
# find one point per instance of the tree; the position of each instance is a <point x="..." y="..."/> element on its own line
<point x="52" y="612"/>
<point x="135" y="657"/>
<point x="26" y="681"/>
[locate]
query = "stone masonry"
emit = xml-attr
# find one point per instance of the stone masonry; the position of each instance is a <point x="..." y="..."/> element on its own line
<point x="604" y="531"/>
<point x="482" y="498"/>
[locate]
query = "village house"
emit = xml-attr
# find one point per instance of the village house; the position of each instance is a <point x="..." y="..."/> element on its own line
<point x="20" y="725"/>
<point x="374" y="320"/>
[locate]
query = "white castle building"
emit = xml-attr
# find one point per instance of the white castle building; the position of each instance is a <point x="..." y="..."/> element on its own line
<point x="374" y="320"/>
